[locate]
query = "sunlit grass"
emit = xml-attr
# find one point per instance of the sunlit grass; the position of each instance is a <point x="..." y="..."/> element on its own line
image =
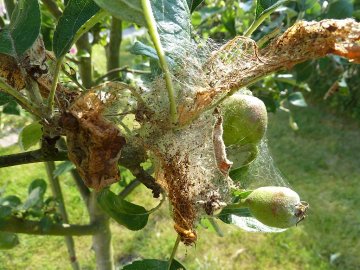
<point x="320" y="161"/>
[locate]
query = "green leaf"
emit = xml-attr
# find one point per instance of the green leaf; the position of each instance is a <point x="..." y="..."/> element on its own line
<point x="23" y="30"/>
<point x="76" y="13"/>
<point x="8" y="240"/>
<point x="262" y="5"/>
<point x="30" y="135"/>
<point x="127" y="10"/>
<point x="152" y="264"/>
<point x="193" y="4"/>
<point x="63" y="167"/>
<point x="172" y="18"/>
<point x="241" y="194"/>
<point x="132" y="216"/>
<point x="297" y="99"/>
<point x="4" y="98"/>
<point x="140" y="48"/>
<point x="239" y="173"/>
<point x="38" y="183"/>
<point x="5" y="211"/>
<point x="173" y="23"/>
<point x="35" y="197"/>
<point x="11" y="108"/>
<point x="11" y="201"/>
<point x="306" y="4"/>
<point x="227" y="212"/>
<point x="340" y="9"/>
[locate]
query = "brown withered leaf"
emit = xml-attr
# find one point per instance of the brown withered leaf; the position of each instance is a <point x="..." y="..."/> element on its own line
<point x="94" y="143"/>
<point x="10" y="71"/>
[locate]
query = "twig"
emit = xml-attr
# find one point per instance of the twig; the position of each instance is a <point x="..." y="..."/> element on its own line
<point x="123" y="69"/>
<point x="129" y="188"/>
<point x="20" y="98"/>
<point x="151" y="24"/>
<point x="31" y="157"/>
<point x="18" y="225"/>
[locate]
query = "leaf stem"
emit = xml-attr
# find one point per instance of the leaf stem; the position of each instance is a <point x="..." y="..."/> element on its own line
<point x="151" y="23"/>
<point x="176" y="245"/>
<point x="263" y="16"/>
<point x="89" y="24"/>
<point x="22" y="100"/>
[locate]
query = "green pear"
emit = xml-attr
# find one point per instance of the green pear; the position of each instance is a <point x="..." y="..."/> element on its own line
<point x="278" y="207"/>
<point x="245" y="119"/>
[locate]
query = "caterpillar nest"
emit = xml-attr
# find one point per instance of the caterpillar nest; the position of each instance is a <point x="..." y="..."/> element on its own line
<point x="190" y="160"/>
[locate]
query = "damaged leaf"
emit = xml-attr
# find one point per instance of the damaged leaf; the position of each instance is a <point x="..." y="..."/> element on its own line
<point x="94" y="143"/>
<point x="240" y="63"/>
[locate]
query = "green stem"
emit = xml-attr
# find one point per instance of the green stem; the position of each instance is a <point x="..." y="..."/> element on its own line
<point x="20" y="98"/>
<point x="57" y="193"/>
<point x="151" y="23"/>
<point x="173" y="253"/>
<point x="54" y="84"/>
<point x="263" y="16"/>
<point x="89" y="24"/>
<point x="261" y="42"/>
<point x="18" y="225"/>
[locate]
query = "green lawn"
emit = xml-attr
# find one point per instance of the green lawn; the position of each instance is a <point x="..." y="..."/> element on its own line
<point x="320" y="161"/>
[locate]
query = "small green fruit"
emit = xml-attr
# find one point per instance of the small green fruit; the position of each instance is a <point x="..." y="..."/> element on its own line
<point x="245" y="120"/>
<point x="278" y="207"/>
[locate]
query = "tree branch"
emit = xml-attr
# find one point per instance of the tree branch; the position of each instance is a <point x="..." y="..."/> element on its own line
<point x="129" y="188"/>
<point x="113" y="48"/>
<point x="31" y="157"/>
<point x="17" y="225"/>
<point x="117" y="70"/>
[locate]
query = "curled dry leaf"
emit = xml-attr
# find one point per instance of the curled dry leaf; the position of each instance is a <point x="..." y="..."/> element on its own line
<point x="239" y="62"/>
<point x="222" y="162"/>
<point x="10" y="71"/>
<point x="33" y="66"/>
<point x="94" y="143"/>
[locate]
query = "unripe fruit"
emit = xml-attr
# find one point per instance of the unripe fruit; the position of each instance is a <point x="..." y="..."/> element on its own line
<point x="278" y="207"/>
<point x="245" y="119"/>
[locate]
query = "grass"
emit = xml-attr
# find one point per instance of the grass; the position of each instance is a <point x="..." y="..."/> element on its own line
<point x="320" y="161"/>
